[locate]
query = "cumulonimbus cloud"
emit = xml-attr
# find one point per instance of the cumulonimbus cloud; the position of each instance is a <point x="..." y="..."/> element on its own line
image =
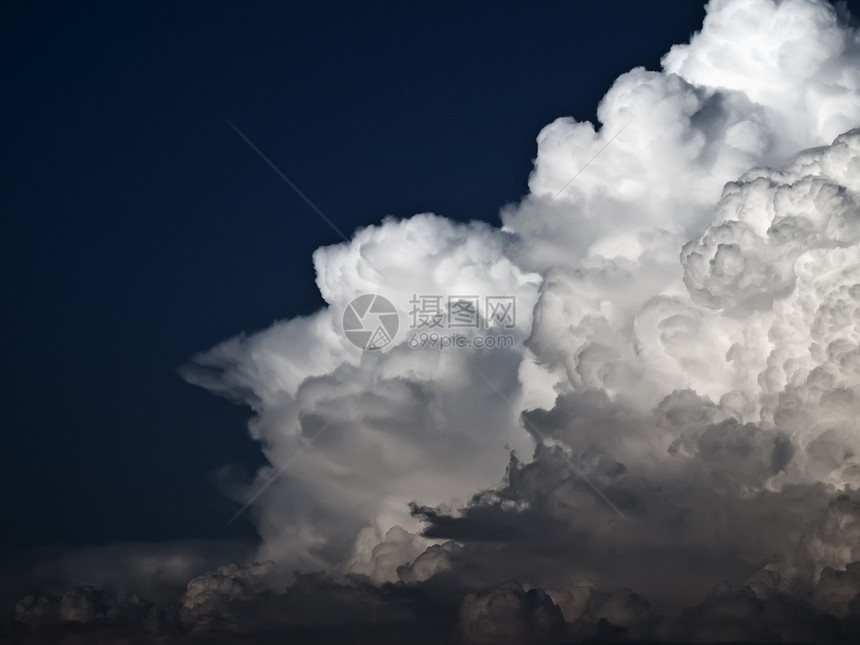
<point x="680" y="401"/>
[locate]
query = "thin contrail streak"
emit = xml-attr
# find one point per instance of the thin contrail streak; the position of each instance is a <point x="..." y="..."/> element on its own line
<point x="303" y="196"/>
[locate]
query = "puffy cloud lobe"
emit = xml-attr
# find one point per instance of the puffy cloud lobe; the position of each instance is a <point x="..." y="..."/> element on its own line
<point x="398" y="548"/>
<point x="838" y="592"/>
<point x="765" y="224"/>
<point x="794" y="58"/>
<point x="208" y="597"/>
<point x="436" y="559"/>
<point x="509" y="615"/>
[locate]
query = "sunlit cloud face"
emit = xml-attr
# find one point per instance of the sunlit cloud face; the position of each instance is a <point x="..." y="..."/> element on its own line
<point x="410" y="418"/>
<point x="675" y="400"/>
<point x="679" y="401"/>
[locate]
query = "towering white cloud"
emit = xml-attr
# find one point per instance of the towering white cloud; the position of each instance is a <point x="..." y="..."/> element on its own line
<point x="681" y="395"/>
<point x="730" y="374"/>
<point x="401" y="424"/>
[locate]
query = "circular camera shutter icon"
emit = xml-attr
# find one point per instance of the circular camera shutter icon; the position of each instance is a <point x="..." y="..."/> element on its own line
<point x="370" y="321"/>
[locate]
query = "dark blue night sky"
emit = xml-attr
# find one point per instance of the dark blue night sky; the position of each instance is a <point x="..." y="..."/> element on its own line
<point x="139" y="229"/>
